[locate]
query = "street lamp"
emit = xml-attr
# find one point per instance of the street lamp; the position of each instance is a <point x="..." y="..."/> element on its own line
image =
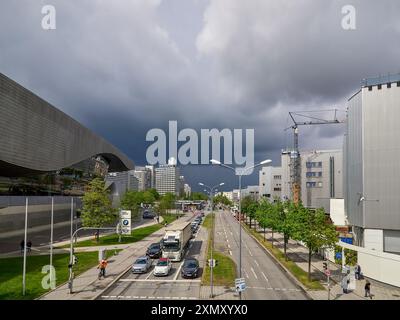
<point x="240" y="174"/>
<point x="211" y="190"/>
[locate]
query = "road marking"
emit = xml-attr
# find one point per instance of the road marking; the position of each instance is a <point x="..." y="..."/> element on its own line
<point x="146" y="297"/>
<point x="252" y="270"/>
<point x="179" y="269"/>
<point x="265" y="277"/>
<point x="159" y="280"/>
<point x="150" y="273"/>
<point x="230" y="252"/>
<point x="229" y="246"/>
<point x="250" y="252"/>
<point x="255" y="261"/>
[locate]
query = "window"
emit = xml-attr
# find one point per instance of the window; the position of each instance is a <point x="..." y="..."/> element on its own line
<point x="277" y="189"/>
<point x="370" y="88"/>
<point x="389" y="85"/>
<point x="278" y="177"/>
<point x="379" y="86"/>
<point x="319" y="184"/>
<point x="398" y="84"/>
<point x="263" y="184"/>
<point x="311" y="184"/>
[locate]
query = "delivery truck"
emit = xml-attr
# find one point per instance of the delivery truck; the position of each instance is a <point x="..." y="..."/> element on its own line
<point x="175" y="241"/>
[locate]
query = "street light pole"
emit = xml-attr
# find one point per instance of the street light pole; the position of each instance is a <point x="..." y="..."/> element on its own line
<point x="212" y="189"/>
<point x="240" y="174"/>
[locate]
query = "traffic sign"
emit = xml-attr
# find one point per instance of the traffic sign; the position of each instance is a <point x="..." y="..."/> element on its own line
<point x="125" y="222"/>
<point x="240" y="284"/>
<point x="328" y="272"/>
<point x="211" y="263"/>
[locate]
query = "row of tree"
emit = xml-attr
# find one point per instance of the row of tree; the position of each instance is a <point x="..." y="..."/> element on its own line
<point x="310" y="226"/>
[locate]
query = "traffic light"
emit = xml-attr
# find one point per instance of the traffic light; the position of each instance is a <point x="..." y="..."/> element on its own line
<point x="325" y="266"/>
<point x="74" y="259"/>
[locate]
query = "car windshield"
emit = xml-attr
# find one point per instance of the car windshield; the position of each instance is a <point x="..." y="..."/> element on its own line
<point x="155" y="246"/>
<point x="190" y="264"/>
<point x="162" y="263"/>
<point x="140" y="261"/>
<point x="171" y="246"/>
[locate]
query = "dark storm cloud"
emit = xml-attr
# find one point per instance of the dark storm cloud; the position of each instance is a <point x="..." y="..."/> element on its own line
<point x="124" y="67"/>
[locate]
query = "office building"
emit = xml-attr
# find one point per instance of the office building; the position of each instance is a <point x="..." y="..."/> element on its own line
<point x="270" y="183"/>
<point x="168" y="178"/>
<point x="321" y="176"/>
<point x="372" y="165"/>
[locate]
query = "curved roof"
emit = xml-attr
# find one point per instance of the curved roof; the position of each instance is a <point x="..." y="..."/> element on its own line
<point x="37" y="137"/>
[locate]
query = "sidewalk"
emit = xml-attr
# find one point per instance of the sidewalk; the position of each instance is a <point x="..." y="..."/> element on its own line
<point x="87" y="286"/>
<point x="299" y="254"/>
<point x="220" y="293"/>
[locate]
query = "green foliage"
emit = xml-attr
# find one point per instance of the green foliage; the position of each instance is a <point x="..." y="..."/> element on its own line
<point x="156" y="195"/>
<point x="314" y="229"/>
<point x="351" y="257"/>
<point x="196" y="196"/>
<point x="221" y="199"/>
<point x="97" y="210"/>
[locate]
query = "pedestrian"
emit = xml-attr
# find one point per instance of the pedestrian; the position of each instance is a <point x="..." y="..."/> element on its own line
<point x="29" y="245"/>
<point x="358" y="272"/>
<point x="102" y="266"/>
<point x="367" y="289"/>
<point x="345" y="284"/>
<point x="22" y="246"/>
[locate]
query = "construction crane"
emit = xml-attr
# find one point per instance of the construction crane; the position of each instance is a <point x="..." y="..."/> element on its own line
<point x="305" y="118"/>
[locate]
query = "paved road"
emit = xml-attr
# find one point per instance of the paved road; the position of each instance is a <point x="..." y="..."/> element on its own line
<point x="265" y="280"/>
<point x="147" y="286"/>
<point x="41" y="238"/>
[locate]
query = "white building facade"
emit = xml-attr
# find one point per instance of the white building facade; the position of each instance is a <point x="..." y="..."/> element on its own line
<point x="270" y="183"/>
<point x="321" y="176"/>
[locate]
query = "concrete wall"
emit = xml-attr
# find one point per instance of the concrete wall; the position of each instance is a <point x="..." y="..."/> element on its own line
<point x="380" y="266"/>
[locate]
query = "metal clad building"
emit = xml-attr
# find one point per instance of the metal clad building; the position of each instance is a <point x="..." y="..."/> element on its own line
<point x="372" y="160"/>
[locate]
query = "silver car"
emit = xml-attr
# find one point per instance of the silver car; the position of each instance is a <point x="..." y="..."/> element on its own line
<point x="141" y="265"/>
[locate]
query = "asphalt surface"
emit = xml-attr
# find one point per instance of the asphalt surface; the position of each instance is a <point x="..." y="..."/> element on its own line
<point x="147" y="286"/>
<point x="265" y="279"/>
<point x="41" y="239"/>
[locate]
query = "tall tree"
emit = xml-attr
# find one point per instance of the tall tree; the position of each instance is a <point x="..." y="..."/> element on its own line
<point x="97" y="211"/>
<point x="286" y="223"/>
<point x="131" y="200"/>
<point x="315" y="230"/>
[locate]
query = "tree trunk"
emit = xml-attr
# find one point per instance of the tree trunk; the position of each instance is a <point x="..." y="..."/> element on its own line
<point x="284" y="246"/>
<point x="309" y="264"/>
<point x="272" y="239"/>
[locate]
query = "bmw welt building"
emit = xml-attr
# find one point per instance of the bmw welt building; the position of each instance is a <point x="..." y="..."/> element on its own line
<point x="44" y="154"/>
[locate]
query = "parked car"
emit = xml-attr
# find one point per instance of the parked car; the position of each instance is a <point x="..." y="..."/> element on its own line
<point x="141" y="265"/>
<point x="190" y="268"/>
<point x="154" y="250"/>
<point x="148" y="215"/>
<point x="163" y="267"/>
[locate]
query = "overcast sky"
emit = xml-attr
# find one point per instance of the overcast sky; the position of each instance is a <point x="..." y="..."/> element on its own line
<point x="123" y="67"/>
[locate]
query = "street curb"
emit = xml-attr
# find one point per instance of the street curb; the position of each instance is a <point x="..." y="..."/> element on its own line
<point x="111" y="283"/>
<point x="298" y="283"/>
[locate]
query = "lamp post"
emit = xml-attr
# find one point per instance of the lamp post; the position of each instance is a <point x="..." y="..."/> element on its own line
<point x="211" y="190"/>
<point x="240" y="174"/>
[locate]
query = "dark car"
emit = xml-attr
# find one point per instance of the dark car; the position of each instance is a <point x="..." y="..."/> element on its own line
<point x="190" y="268"/>
<point x="154" y="251"/>
<point x="148" y="215"/>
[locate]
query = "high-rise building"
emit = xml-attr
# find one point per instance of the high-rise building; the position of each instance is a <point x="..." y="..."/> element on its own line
<point x="168" y="178"/>
<point x="152" y="176"/>
<point x="187" y="190"/>
<point x="372" y="166"/>
<point x="270" y="183"/>
<point x="251" y="191"/>
<point x="121" y="182"/>
<point x="321" y="176"/>
<point x="144" y="176"/>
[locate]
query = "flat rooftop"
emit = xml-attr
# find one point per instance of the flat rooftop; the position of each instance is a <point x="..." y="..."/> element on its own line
<point x="390" y="78"/>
